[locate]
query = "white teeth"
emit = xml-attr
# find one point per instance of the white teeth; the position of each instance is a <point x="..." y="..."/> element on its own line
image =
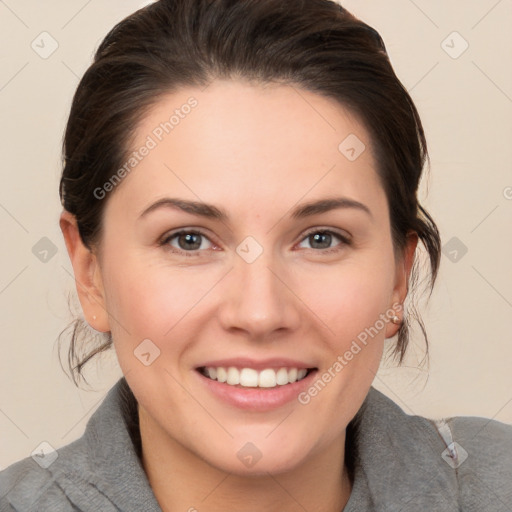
<point x="301" y="373"/>
<point x="222" y="374"/>
<point x="251" y="378"/>
<point x="282" y="376"/>
<point x="267" y="379"/>
<point x="233" y="376"/>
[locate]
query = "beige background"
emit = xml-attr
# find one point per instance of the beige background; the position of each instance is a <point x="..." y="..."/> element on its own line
<point x="466" y="107"/>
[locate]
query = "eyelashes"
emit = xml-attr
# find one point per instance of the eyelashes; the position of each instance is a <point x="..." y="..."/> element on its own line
<point x="183" y="233"/>
<point x="345" y="240"/>
<point x="195" y="238"/>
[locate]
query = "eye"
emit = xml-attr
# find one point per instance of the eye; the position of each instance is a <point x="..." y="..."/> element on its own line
<point x="189" y="242"/>
<point x="322" y="238"/>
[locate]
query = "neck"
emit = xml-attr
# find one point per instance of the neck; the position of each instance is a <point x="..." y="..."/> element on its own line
<point x="181" y="480"/>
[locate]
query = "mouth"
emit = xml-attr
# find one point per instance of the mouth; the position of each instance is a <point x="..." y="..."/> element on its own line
<point x="255" y="385"/>
<point x="247" y="377"/>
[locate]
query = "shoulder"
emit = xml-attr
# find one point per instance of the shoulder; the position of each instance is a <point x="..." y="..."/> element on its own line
<point x="477" y="440"/>
<point x="462" y="461"/>
<point x="34" y="483"/>
<point x="99" y="471"/>
<point x="482" y="450"/>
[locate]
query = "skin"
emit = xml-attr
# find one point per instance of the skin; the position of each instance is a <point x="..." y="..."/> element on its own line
<point x="256" y="152"/>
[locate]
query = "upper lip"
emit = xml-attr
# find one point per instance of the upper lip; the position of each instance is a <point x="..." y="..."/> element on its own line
<point x="261" y="364"/>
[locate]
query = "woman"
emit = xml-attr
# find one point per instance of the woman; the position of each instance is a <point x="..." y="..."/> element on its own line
<point x="240" y="209"/>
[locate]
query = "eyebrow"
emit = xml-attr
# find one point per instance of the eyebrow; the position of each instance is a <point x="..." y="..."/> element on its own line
<point x="212" y="212"/>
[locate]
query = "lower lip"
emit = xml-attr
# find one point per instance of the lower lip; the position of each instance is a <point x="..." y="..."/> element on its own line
<point x="257" y="399"/>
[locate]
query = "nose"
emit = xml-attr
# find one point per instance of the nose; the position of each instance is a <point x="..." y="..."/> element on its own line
<point x="259" y="299"/>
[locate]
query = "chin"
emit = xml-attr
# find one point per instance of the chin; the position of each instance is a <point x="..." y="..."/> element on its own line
<point x="247" y="459"/>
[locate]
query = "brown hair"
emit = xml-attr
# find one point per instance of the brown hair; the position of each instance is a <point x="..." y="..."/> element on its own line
<point x="313" y="44"/>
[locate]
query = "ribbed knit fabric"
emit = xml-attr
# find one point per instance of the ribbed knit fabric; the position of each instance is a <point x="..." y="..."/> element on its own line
<point x="400" y="463"/>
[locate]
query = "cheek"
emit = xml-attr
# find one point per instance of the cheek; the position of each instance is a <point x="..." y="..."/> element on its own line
<point x="351" y="300"/>
<point x="149" y="300"/>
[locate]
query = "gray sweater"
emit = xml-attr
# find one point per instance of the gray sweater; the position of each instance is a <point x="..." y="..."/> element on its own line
<point x="398" y="463"/>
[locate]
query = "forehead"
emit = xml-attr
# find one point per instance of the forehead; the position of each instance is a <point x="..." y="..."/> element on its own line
<point x="232" y="141"/>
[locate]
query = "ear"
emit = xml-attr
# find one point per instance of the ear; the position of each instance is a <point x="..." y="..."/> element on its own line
<point x="402" y="276"/>
<point x="87" y="272"/>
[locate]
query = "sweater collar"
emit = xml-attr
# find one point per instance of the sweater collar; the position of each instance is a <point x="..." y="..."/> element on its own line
<point x="396" y="457"/>
<point x="398" y="463"/>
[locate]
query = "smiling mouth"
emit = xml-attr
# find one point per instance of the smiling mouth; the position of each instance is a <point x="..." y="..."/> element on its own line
<point x="251" y="378"/>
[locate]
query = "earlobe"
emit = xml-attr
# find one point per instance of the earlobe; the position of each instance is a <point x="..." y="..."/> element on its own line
<point x="87" y="272"/>
<point x="403" y="274"/>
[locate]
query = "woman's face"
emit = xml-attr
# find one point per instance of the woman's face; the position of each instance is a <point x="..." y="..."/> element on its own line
<point x="272" y="284"/>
